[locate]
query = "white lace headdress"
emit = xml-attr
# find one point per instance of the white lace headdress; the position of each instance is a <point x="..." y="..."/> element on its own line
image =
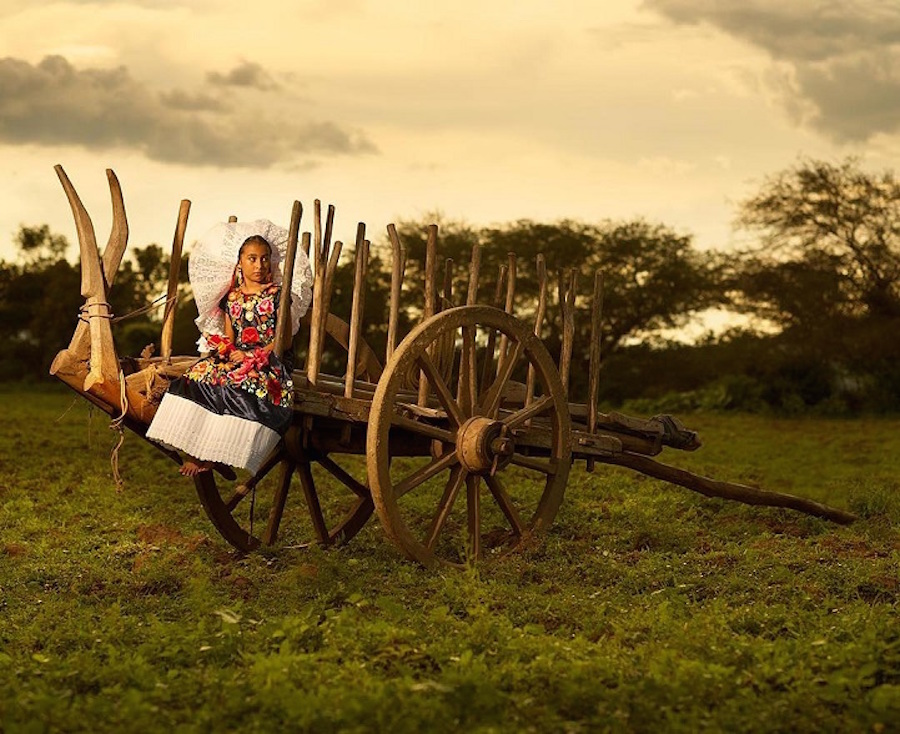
<point x="211" y="268"/>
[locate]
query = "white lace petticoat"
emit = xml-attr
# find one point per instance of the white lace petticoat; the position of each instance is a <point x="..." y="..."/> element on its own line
<point x="184" y="425"/>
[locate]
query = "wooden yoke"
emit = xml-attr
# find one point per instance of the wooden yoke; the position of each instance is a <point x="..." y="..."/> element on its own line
<point x="79" y="349"/>
<point x="90" y="364"/>
<point x="93" y="340"/>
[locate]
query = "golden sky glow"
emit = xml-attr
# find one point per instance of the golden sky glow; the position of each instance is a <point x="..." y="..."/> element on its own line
<point x="487" y="111"/>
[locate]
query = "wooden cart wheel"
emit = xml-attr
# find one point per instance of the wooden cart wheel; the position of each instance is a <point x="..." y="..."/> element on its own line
<point x="474" y="433"/>
<point x="253" y="510"/>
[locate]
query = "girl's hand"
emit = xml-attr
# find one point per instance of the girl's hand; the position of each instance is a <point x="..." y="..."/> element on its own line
<point x="237" y="356"/>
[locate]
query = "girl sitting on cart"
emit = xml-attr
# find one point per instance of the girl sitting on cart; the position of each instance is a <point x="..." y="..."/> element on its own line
<point x="233" y="406"/>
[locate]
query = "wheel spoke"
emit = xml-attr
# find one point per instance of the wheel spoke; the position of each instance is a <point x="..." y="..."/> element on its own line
<point x="278" y="503"/>
<point x="530" y="411"/>
<point x="424" y="429"/>
<point x="441" y="390"/>
<point x="451" y="491"/>
<point x="506" y="504"/>
<point x="423" y="474"/>
<point x="473" y="506"/>
<point x="312" y="502"/>
<point x="490" y="401"/>
<point x="244" y="489"/>
<point x="545" y="466"/>
<point x="339" y="473"/>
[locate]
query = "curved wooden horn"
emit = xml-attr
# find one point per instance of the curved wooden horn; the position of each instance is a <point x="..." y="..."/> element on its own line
<point x="118" y="235"/>
<point x="104" y="363"/>
<point x="91" y="270"/>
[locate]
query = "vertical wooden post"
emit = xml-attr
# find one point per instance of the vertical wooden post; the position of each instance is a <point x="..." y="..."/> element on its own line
<point x="447" y="344"/>
<point x="356" y="314"/>
<point x="430" y="273"/>
<point x="327" y="289"/>
<point x="474" y="273"/>
<point x="283" y="325"/>
<point x="596" y="333"/>
<point x="398" y="266"/>
<point x="567" y="304"/>
<point x="487" y="366"/>
<point x="232" y="219"/>
<point x="312" y="351"/>
<point x="317" y="222"/>
<point x="329" y="225"/>
<point x="447" y="295"/>
<point x="538" y="325"/>
<point x="430" y="297"/>
<point x="168" y="327"/>
<point x="468" y="386"/>
<point x="508" y="307"/>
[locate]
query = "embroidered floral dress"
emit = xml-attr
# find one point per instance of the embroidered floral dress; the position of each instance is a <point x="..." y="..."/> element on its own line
<point x="253" y="317"/>
<point x="231" y="412"/>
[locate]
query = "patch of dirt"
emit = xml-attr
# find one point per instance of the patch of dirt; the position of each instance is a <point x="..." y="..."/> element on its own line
<point x="164" y="535"/>
<point x="14" y="549"/>
<point x="851" y="547"/>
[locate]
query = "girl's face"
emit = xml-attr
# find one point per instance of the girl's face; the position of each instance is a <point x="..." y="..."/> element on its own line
<point x="256" y="263"/>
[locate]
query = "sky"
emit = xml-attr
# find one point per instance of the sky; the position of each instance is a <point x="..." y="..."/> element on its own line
<point x="487" y="112"/>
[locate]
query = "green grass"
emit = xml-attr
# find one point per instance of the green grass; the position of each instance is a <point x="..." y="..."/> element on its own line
<point x="647" y="607"/>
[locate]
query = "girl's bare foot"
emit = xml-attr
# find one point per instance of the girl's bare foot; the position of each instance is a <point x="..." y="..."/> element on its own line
<point x="193" y="467"/>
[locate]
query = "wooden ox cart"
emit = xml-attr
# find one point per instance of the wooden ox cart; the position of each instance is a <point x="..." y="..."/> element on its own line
<point x="467" y="428"/>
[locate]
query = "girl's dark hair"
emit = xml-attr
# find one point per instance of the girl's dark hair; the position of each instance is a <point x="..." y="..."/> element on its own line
<point x="254" y="239"/>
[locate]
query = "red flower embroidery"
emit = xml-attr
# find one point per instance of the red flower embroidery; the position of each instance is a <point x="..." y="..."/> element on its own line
<point x="274" y="388"/>
<point x="250" y="335"/>
<point x="220" y="345"/>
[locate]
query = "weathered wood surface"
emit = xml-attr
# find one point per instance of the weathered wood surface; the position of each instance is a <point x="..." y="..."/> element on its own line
<point x="283" y="326"/>
<point x="728" y="490"/>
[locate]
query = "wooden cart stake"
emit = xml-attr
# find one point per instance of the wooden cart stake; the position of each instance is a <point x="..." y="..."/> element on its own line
<point x="538" y="325"/>
<point x="567" y="304"/>
<point x="165" y="342"/>
<point x="430" y="297"/>
<point x="594" y="378"/>
<point x="398" y="267"/>
<point x="283" y="326"/>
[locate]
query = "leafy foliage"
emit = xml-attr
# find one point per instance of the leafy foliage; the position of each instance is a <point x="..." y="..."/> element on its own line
<point x="826" y="272"/>
<point x="653" y="277"/>
<point x="40" y="301"/>
<point x="839" y="223"/>
<point x="645" y="607"/>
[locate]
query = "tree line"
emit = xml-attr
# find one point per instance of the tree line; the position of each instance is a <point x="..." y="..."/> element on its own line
<point x="819" y="285"/>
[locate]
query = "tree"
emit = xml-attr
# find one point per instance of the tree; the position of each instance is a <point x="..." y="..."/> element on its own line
<point x="40" y="300"/>
<point x="654" y="278"/>
<point x="825" y="227"/>
<point x="826" y="272"/>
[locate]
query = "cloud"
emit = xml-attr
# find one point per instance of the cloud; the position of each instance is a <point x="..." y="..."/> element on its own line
<point x="842" y="58"/>
<point x="53" y="103"/>
<point x="247" y="74"/>
<point x="179" y="99"/>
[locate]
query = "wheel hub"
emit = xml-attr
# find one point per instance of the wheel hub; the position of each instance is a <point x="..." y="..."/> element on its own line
<point x="484" y="446"/>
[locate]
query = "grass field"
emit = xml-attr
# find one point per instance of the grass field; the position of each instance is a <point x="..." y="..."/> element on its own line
<point x="647" y="608"/>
